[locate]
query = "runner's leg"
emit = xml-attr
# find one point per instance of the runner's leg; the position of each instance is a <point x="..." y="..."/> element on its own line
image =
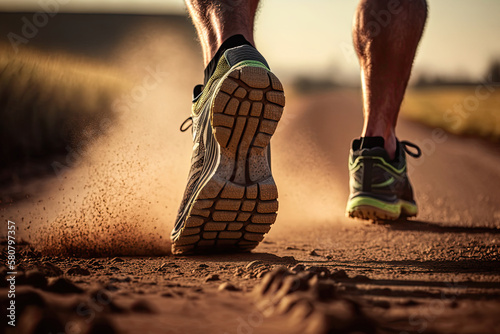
<point x="386" y="35"/>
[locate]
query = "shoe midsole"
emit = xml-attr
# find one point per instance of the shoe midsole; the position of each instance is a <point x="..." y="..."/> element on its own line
<point x="391" y="207"/>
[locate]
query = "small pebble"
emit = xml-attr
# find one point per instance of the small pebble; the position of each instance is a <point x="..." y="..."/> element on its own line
<point x="62" y="285"/>
<point x="382" y="304"/>
<point x="361" y="278"/>
<point x="166" y="265"/>
<point x="313" y="253"/>
<point x="339" y="274"/>
<point x="212" y="277"/>
<point x="142" y="306"/>
<point x="298" y="267"/>
<point x="77" y="270"/>
<point x="226" y="286"/>
<point x="410" y="302"/>
<point x="167" y="294"/>
<point x="253" y="264"/>
<point x="117" y="259"/>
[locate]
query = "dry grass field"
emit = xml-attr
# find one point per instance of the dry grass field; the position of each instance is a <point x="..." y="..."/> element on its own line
<point x="469" y="111"/>
<point x="48" y="102"/>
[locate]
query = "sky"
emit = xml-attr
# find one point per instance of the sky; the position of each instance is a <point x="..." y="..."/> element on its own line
<point x="314" y="36"/>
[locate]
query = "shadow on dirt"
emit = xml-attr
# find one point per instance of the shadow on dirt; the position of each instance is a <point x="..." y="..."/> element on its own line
<point x="267" y="258"/>
<point x="433" y="227"/>
<point x="448" y="266"/>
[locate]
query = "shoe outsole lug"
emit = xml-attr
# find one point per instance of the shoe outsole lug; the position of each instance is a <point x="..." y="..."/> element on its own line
<point x="267" y="207"/>
<point x="221" y="100"/>
<point x="244" y="108"/>
<point x="185" y="240"/>
<point x="203" y="204"/>
<point x="192" y="231"/>
<point x="194" y="221"/>
<point x="259" y="228"/>
<point x="256" y="109"/>
<point x="230" y="235"/>
<point x="223" y="120"/>
<point x="240" y="93"/>
<point x="256" y="95"/>
<point x="372" y="213"/>
<point x="209" y="236"/>
<point x="229" y="86"/>
<point x="201" y="213"/>
<point x="234" y="74"/>
<point x="254" y="236"/>
<point x="232" y="107"/>
<point x="243" y="216"/>
<point x="215" y="226"/>
<point x="228" y="204"/>
<point x="235" y="226"/>
<point x="248" y="206"/>
<point x="276" y="97"/>
<point x="264" y="218"/>
<point x="224" y="216"/>
<point x="273" y="112"/>
<point x="236" y="207"/>
<point x="255" y="77"/>
<point x="276" y="84"/>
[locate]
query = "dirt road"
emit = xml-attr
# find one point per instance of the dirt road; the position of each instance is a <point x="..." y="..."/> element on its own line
<point x="439" y="273"/>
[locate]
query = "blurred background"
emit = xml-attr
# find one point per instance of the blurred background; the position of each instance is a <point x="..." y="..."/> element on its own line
<point x="92" y="93"/>
<point x="309" y="46"/>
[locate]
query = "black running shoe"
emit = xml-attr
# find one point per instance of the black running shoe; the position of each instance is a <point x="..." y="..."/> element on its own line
<point x="380" y="188"/>
<point x="230" y="200"/>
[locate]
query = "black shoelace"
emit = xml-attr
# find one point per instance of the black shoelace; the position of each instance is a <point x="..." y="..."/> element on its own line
<point x="405" y="144"/>
<point x="184" y="127"/>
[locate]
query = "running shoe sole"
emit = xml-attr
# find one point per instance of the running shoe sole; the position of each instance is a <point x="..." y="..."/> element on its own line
<point x="236" y="201"/>
<point x="369" y="208"/>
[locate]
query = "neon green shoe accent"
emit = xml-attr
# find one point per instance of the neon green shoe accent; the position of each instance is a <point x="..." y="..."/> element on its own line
<point x="253" y="63"/>
<point x="378" y="185"/>
<point x="409" y="209"/>
<point x="384" y="184"/>
<point x="392" y="209"/>
<point x="370" y="201"/>
<point x="387" y="166"/>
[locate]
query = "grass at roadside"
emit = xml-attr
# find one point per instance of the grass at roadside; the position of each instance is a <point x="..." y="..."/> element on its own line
<point x="48" y="102"/>
<point x="458" y="110"/>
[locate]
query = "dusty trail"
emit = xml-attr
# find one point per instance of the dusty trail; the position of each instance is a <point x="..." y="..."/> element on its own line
<point x="437" y="274"/>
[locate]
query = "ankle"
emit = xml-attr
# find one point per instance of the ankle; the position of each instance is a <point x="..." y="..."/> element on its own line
<point x="390" y="143"/>
<point x="231" y="42"/>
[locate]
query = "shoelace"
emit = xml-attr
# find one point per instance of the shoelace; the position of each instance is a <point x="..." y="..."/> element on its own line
<point x="198" y="89"/>
<point x="185" y="127"/>
<point x="405" y="144"/>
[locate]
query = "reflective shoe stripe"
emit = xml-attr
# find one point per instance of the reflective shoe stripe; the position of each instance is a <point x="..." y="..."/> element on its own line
<point x="365" y="207"/>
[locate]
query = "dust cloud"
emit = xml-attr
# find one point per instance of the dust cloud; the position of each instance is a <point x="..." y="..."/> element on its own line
<point x="122" y="195"/>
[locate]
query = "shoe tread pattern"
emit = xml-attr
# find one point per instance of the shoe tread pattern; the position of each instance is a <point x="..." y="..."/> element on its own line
<point x="237" y="206"/>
